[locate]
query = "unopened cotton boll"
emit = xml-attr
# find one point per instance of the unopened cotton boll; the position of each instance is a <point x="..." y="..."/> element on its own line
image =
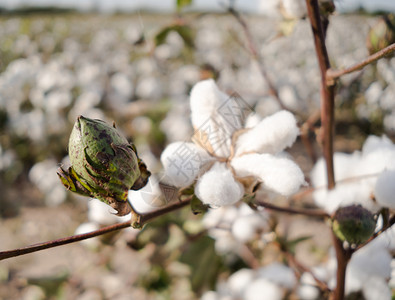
<point x="272" y="135"/>
<point x="217" y="187"/>
<point x="384" y="191"/>
<point x="183" y="162"/>
<point x="278" y="174"/>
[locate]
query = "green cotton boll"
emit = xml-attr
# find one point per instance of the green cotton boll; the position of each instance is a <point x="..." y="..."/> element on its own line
<point x="104" y="165"/>
<point x="353" y="224"/>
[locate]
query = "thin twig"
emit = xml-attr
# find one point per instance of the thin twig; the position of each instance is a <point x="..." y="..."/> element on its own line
<point x="291" y="210"/>
<point x="331" y="75"/>
<point x="143" y="219"/>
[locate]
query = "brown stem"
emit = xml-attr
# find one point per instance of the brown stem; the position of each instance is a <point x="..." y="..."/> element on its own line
<point x="327" y="92"/>
<point x="143" y="219"/>
<point x="255" y="55"/>
<point x="331" y="75"/>
<point x="298" y="211"/>
<point x="343" y="256"/>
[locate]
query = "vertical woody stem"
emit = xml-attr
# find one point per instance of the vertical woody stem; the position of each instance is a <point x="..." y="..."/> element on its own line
<point x="327" y="132"/>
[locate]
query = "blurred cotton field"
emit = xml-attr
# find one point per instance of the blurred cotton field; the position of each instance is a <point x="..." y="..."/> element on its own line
<point x="161" y="79"/>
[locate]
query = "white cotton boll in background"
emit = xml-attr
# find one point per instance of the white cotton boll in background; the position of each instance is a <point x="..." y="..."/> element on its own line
<point x="217" y="187"/>
<point x="239" y="280"/>
<point x="245" y="228"/>
<point x="373" y="143"/>
<point x="376" y="288"/>
<point x="307" y="290"/>
<point x="103" y="214"/>
<point x="85" y="228"/>
<point x="210" y="295"/>
<point x="262" y="289"/>
<point x="272" y="135"/>
<point x="278" y="274"/>
<point x="182" y="163"/>
<point x="294" y="9"/>
<point x="384" y="191"/>
<point x="280" y="175"/>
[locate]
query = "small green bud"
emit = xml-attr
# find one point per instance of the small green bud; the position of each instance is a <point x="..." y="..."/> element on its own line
<point x="104" y="165"/>
<point x="353" y="224"/>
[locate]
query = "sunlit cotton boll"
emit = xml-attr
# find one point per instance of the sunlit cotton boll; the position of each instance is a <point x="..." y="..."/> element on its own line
<point x="278" y="174"/>
<point x="217" y="187"/>
<point x="183" y="162"/>
<point x="272" y="135"/>
<point x="278" y="274"/>
<point x="245" y="228"/>
<point x="384" y="191"/>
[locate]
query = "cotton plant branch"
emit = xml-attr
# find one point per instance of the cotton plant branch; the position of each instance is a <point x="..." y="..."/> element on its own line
<point x="138" y="222"/>
<point x="327" y="132"/>
<point x="331" y="74"/>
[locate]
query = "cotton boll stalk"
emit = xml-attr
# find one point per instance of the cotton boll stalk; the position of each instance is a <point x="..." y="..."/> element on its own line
<point x="217" y="187"/>
<point x="263" y="289"/>
<point x="384" y="191"/>
<point x="280" y="175"/>
<point x="183" y="162"/>
<point x="272" y="135"/>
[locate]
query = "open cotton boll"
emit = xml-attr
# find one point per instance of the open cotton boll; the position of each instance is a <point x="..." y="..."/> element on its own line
<point x="262" y="289"/>
<point x="280" y="175"/>
<point x="384" y="191"/>
<point x="147" y="199"/>
<point x="183" y="162"/>
<point x="217" y="187"/>
<point x="373" y="143"/>
<point x="245" y="228"/>
<point x="279" y="274"/>
<point x="376" y="288"/>
<point x="239" y="280"/>
<point x="101" y="213"/>
<point x="272" y="135"/>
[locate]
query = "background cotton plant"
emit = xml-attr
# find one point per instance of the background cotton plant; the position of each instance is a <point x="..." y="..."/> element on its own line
<point x="226" y="159"/>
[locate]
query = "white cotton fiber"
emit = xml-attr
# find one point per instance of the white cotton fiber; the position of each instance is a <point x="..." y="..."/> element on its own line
<point x="182" y="163"/>
<point x="272" y="135"/>
<point x="262" y="289"/>
<point x="101" y="213"/>
<point x="279" y="274"/>
<point x="205" y="99"/>
<point x="245" y="228"/>
<point x="278" y="174"/>
<point x="217" y="187"/>
<point x="373" y="143"/>
<point x="147" y="199"/>
<point x="384" y="191"/>
<point x="239" y="280"/>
